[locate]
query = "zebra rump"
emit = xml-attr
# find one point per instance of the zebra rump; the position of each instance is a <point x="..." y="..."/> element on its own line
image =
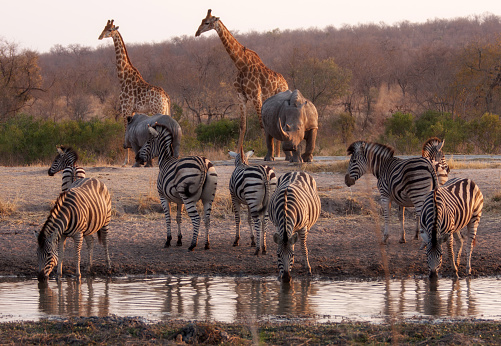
<point x="253" y="187"/>
<point x="294" y="208"/>
<point x="77" y="213"/>
<point x="446" y="211"/>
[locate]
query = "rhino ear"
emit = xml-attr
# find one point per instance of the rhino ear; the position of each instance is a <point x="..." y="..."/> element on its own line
<point x="232" y="153"/>
<point x="152" y="131"/>
<point x="129" y="119"/>
<point x="249" y="153"/>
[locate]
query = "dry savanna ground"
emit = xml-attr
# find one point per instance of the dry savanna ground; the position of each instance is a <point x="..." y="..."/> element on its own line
<point x="344" y="243"/>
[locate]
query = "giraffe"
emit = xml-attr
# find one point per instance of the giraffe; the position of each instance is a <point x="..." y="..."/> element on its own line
<point x="254" y="82"/>
<point x="136" y="95"/>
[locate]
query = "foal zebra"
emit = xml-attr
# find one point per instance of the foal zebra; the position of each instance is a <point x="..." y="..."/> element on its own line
<point x="445" y="212"/>
<point x="252" y="186"/>
<point x="181" y="181"/>
<point x="405" y="181"/>
<point x="66" y="161"/>
<point x="294" y="208"/>
<point x="77" y="213"/>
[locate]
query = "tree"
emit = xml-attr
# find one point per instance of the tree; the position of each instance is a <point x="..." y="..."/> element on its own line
<point x="19" y="78"/>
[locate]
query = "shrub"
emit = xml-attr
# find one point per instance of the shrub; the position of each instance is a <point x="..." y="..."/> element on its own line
<point x="218" y="133"/>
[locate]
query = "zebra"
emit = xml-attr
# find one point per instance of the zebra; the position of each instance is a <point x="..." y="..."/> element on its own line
<point x="252" y="186"/>
<point x="66" y="161"/>
<point x="445" y="212"/>
<point x="181" y="181"/>
<point x="294" y="208"/>
<point x="77" y="213"/>
<point x="405" y="181"/>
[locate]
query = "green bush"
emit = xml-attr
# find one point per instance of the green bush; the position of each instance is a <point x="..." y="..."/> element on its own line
<point x="486" y="132"/>
<point x="25" y="140"/>
<point x="218" y="133"/>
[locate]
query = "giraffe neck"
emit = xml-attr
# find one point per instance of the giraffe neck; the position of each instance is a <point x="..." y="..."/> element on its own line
<point x="124" y="67"/>
<point x="234" y="48"/>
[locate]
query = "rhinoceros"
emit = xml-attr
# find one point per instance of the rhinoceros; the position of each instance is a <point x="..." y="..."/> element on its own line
<point x="290" y="118"/>
<point x="136" y="133"/>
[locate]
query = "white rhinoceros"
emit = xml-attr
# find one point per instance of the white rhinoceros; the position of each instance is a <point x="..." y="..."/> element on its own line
<point x="290" y="118"/>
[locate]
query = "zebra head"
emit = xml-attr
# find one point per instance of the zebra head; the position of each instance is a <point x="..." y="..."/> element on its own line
<point x="66" y="157"/>
<point x="358" y="164"/>
<point x="434" y="240"/>
<point x="46" y="252"/>
<point x="285" y="237"/>
<point x="158" y="144"/>
<point x="241" y="158"/>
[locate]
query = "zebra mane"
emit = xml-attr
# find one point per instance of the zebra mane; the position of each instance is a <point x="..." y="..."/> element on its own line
<point x="286" y="235"/>
<point x="434" y="230"/>
<point x="363" y="146"/>
<point x="430" y="145"/>
<point x="42" y="236"/>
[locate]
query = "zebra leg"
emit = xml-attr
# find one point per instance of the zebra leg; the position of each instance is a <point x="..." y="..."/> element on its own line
<point x="103" y="239"/>
<point x="264" y="227"/>
<point x="166" y="207"/>
<point x="450" y="248"/>
<point x="89" y="240"/>
<point x="401" y="218"/>
<point x="179" y="220"/>
<point x="249" y="220"/>
<point x="78" y="238"/>
<point x="61" y="244"/>
<point x="207" y="211"/>
<point x="191" y="208"/>
<point x="472" y="233"/>
<point x="459" y="241"/>
<point x="386" y="203"/>
<point x="236" y="211"/>
<point x="256" y="220"/>
<point x="303" y="233"/>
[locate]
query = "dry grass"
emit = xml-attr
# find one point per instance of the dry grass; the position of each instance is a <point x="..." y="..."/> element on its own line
<point x="336" y="167"/>
<point x="8" y="208"/>
<point x="474" y="164"/>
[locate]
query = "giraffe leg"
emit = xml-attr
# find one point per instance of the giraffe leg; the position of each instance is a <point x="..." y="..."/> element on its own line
<point x="243" y="120"/>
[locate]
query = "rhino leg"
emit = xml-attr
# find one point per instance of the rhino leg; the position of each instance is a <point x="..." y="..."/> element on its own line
<point x="269" y="145"/>
<point x="310" y="138"/>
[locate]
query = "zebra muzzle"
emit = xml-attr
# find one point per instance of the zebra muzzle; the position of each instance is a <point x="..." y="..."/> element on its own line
<point x="349" y="181"/>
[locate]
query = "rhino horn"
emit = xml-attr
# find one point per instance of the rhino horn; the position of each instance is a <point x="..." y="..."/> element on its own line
<point x="281" y="129"/>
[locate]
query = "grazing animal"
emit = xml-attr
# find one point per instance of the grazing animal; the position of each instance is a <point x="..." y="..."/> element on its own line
<point x="290" y="118"/>
<point x="252" y="186"/>
<point x="77" y="213"/>
<point x="181" y="181"/>
<point x="137" y="132"/>
<point x="405" y="181"/>
<point x="254" y="82"/>
<point x="66" y="160"/>
<point x="445" y="212"/>
<point x="294" y="208"/>
<point x="136" y="95"/>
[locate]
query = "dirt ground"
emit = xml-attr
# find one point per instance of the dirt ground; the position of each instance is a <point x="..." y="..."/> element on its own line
<point x="344" y="243"/>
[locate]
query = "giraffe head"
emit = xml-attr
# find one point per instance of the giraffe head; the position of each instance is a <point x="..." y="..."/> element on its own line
<point x="108" y="30"/>
<point x="208" y="23"/>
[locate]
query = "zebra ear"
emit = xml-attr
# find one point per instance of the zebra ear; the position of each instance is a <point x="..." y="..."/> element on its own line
<point x="152" y="131"/>
<point x="275" y="237"/>
<point x="60" y="151"/>
<point x="249" y="153"/>
<point x="294" y="238"/>
<point x="441" y="145"/>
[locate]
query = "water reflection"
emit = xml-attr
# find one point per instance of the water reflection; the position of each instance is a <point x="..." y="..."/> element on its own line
<point x="250" y="299"/>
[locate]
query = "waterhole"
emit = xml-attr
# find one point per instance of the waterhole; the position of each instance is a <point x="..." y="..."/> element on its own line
<point x="231" y="299"/>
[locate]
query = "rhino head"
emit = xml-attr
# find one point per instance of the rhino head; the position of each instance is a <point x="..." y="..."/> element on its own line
<point x="293" y="128"/>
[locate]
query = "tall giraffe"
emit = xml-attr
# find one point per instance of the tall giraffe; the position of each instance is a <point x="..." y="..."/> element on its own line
<point x="254" y="82"/>
<point x="136" y="95"/>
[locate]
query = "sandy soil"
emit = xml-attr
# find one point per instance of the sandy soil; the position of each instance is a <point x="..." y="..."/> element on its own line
<point x="345" y="242"/>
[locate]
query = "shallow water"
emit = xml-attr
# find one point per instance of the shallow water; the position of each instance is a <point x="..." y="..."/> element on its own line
<point x="230" y="299"/>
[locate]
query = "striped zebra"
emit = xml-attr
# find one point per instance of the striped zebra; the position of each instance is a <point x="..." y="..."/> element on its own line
<point x="445" y="212"/>
<point x="181" y="181"/>
<point x="252" y="186"/>
<point x="432" y="150"/>
<point x="66" y="160"/>
<point x="404" y="181"/>
<point x="77" y="213"/>
<point x="294" y="208"/>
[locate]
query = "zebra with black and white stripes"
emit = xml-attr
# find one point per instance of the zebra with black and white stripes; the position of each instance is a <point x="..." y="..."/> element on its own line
<point x="77" y="213"/>
<point x="445" y="212"/>
<point x="432" y="150"/>
<point x="181" y="181"/>
<point x="251" y="186"/>
<point x="294" y="208"/>
<point x="66" y="160"/>
<point x="404" y="181"/>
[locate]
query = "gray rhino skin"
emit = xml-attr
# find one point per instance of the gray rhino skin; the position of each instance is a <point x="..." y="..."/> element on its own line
<point x="136" y="133"/>
<point x="290" y="118"/>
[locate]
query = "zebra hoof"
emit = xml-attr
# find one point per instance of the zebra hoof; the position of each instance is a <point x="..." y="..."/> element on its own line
<point x="167" y="243"/>
<point x="264" y="252"/>
<point x="179" y="241"/>
<point x="402" y="241"/>
<point x="253" y="243"/>
<point x="192" y="247"/>
<point x="256" y="253"/>
<point x="207" y="246"/>
<point x="235" y="243"/>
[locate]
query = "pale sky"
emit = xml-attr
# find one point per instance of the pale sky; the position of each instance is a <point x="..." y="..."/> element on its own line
<point x="39" y="25"/>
